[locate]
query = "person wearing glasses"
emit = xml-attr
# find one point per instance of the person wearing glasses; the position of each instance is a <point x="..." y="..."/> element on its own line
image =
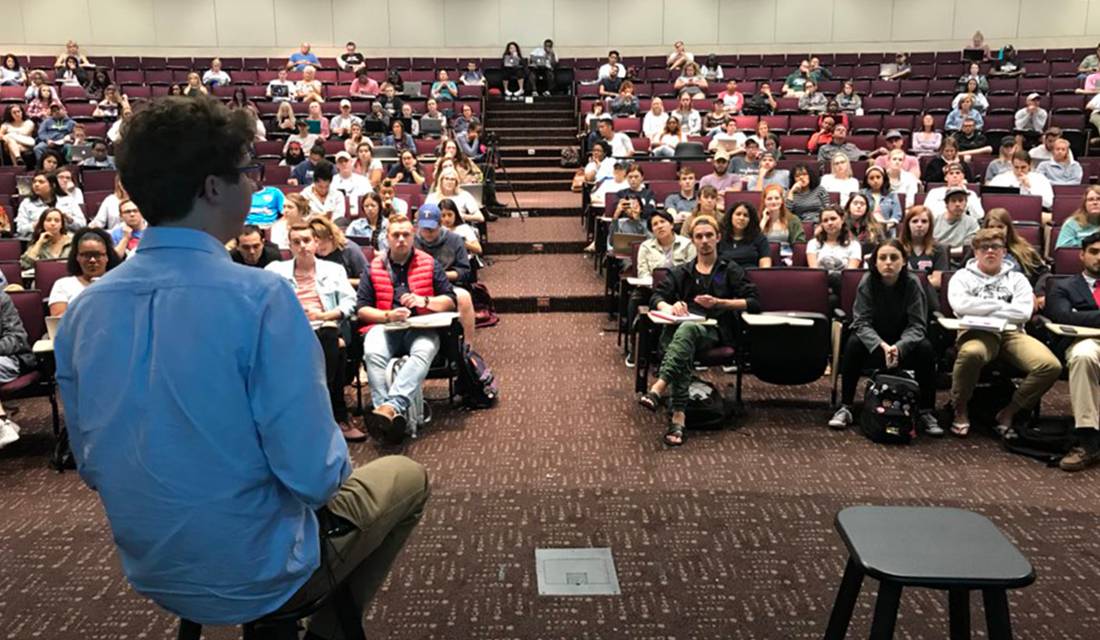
<point x="126" y="236"/>
<point x="92" y="257"/>
<point x="990" y="288"/>
<point x="205" y="455"/>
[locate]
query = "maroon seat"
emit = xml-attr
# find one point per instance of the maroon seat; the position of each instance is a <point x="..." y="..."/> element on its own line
<point x="1022" y="208"/>
<point x="10" y="249"/>
<point x="98" y="179"/>
<point x="800" y="124"/>
<point x="661" y="171"/>
<point x="33" y="384"/>
<point x="1032" y="233"/>
<point x="629" y="125"/>
<point x="878" y="104"/>
<point x="46" y="273"/>
<point x="797" y="257"/>
<point x="13" y="273"/>
<point x="1067" y="260"/>
<point x="866" y="124"/>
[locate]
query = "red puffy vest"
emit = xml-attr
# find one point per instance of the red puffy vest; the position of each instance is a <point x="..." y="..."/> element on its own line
<point x="421" y="267"/>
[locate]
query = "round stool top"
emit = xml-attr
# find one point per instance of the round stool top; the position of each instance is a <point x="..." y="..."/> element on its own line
<point x="934" y="547"/>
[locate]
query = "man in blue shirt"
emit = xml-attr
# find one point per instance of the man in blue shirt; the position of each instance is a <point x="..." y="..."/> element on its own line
<point x="218" y="443"/>
<point x="267" y="206"/>
<point x="302" y="58"/>
<point x="55" y="132"/>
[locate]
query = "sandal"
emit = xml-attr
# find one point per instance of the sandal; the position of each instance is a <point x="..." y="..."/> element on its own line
<point x="674" y="437"/>
<point x="961" y="429"/>
<point x="650" y="400"/>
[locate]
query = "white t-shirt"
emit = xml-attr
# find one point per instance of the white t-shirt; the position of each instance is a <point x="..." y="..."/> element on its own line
<point x="935" y="201"/>
<point x="599" y="198"/>
<point x="833" y="256"/>
<point x="653" y="125"/>
<point x="1039" y="186"/>
<point x="605" y="71"/>
<point x="468" y="233"/>
<point x="289" y="97"/>
<point x="844" y="187"/>
<point x="108" y="216"/>
<point x="467" y="205"/>
<point x="218" y="77"/>
<point x="333" y="202"/>
<point x="353" y="188"/>
<point x="65" y="289"/>
<point x="621" y="146"/>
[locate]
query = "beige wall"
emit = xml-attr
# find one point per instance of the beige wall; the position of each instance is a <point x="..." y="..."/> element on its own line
<point x="580" y="27"/>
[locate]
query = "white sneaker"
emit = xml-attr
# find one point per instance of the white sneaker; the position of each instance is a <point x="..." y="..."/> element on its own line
<point x="931" y="424"/>
<point x="842" y="419"/>
<point x="9" y="432"/>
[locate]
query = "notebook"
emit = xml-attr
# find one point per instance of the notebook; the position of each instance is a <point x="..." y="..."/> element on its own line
<point x="314" y="126"/>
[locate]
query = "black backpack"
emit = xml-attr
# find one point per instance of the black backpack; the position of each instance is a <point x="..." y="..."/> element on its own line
<point x="1046" y="441"/>
<point x="706" y="408"/>
<point x="485" y="314"/>
<point x="476" y="384"/>
<point x="890" y="408"/>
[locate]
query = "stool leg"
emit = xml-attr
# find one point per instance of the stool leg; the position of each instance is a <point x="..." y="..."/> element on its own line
<point x="845" y="602"/>
<point x="997" y="620"/>
<point x="958" y="607"/>
<point x="886" y="611"/>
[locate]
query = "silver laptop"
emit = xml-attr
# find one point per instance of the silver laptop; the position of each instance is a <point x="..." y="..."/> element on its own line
<point x="80" y="152"/>
<point x="476" y="191"/>
<point x="431" y="127"/>
<point x="412" y="89"/>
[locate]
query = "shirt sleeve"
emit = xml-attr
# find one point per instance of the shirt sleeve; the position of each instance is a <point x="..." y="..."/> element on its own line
<point x="303" y="445"/>
<point x="365" y="295"/>
<point x="440" y="284"/>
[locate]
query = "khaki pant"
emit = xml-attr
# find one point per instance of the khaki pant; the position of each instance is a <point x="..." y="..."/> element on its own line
<point x="1083" y="359"/>
<point x="979" y="348"/>
<point x="384" y="500"/>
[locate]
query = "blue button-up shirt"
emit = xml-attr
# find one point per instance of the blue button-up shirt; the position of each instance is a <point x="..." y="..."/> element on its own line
<point x="195" y="399"/>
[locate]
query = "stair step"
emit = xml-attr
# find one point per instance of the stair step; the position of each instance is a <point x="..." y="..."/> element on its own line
<point x="524" y="160"/>
<point x="540" y="173"/>
<point x="536" y="128"/>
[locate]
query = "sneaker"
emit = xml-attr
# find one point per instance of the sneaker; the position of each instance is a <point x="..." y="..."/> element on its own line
<point x="591" y="248"/>
<point x="842" y="419"/>
<point x="729" y="368"/>
<point x="1079" y="459"/>
<point x="546" y="93"/>
<point x="9" y="432"/>
<point x="931" y="424"/>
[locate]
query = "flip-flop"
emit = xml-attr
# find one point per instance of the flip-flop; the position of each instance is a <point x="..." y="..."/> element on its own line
<point x="674" y="431"/>
<point x="961" y="429"/>
<point x="650" y="400"/>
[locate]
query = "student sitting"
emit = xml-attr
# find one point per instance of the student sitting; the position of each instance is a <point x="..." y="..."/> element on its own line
<point x="807" y="197"/>
<point x="1026" y="180"/>
<point x="1020" y="255"/>
<point x="1084" y="222"/>
<point x="402" y="282"/>
<point x="954" y="229"/>
<point x="864" y="226"/>
<point x="706" y="205"/>
<point x="449" y="251"/>
<point x="778" y="224"/>
<point x="917" y="240"/>
<point x="742" y="241"/>
<point x="627" y="218"/>
<point x="833" y="248"/>
<point x="680" y="204"/>
<point x="706" y="286"/>
<point x="251" y="250"/>
<point x="666" y="249"/>
<point x="327" y="299"/>
<point x="1076" y="301"/>
<point x="889" y="332"/>
<point x="989" y="287"/>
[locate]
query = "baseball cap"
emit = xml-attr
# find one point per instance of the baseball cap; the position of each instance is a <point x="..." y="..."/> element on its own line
<point x="955" y="191"/>
<point x="1008" y="141"/>
<point x="893" y="133"/>
<point x="345" y="103"/>
<point x="752" y="141"/>
<point x="1032" y="96"/>
<point x="343" y="155"/>
<point x="721" y="154"/>
<point x="428" y="216"/>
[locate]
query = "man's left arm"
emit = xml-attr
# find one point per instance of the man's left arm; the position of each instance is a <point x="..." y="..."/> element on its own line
<point x="444" y="292"/>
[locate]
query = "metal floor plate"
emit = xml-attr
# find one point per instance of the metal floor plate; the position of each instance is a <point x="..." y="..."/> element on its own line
<point x="576" y="572"/>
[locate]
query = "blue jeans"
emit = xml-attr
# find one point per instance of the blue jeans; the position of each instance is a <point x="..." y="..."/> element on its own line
<point x="381" y="346"/>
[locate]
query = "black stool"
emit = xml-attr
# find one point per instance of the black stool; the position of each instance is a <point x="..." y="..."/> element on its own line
<point x="284" y="625"/>
<point x="936" y="548"/>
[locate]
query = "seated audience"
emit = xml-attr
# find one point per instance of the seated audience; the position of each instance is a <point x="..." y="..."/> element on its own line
<point x="884" y="203"/>
<point x="11" y="72"/>
<point x="402" y="282"/>
<point x="665" y="144"/>
<point x="1076" y="301"/>
<point x="953" y="228"/>
<point x="795" y="83"/>
<point x="194" y="87"/>
<point x="901" y="69"/>
<point x="1026" y="180"/>
<point x="839" y="145"/>
<point x="690" y="120"/>
<point x="768" y="174"/>
<point x="1031" y="119"/>
<point x="1006" y="65"/>
<point x="472" y="76"/>
<point x="840" y="180"/>
<point x="71" y="74"/>
<point x="15" y="359"/>
<point x="707" y="205"/>
<point x="371" y="223"/>
<point x="302" y="58"/>
<point x="848" y="100"/>
<point x="515" y="70"/>
<point x="625" y="103"/>
<point x="926" y="140"/>
<point x="215" y="76"/>
<point x="965" y="110"/>
<point x="747" y="163"/>
<point x="973" y="74"/>
<point x="461" y="122"/>
<point x="126" y="237"/>
<point x="51" y="239"/>
<point x="1084" y="222"/>
<point x="811" y="100"/>
<point x="743" y="241"/>
<point x="303" y="172"/>
<point x="449" y="251"/>
<point x="252" y="250"/>
<point x="612" y="61"/>
<point x="601" y="165"/>
<point x="653" y="124"/>
<point x="679" y="56"/>
<point x="1003" y="161"/>
<point x="367" y="165"/>
<point x="935" y="170"/>
<point x="309" y="88"/>
<point x="92" y="257"/>
<point x="280" y="89"/>
<point x="407" y="169"/>
<point x="444" y="88"/>
<point x="918" y="240"/>
<point x="971" y="141"/>
<point x="977" y="97"/>
<point x="350" y="185"/>
<point x="616" y="183"/>
<point x="1045" y="151"/>
<point x="449" y="188"/>
<point x="621" y="146"/>
<point x="833" y="248"/>
<point x="902" y="182"/>
<point x="1061" y="168"/>
<point x="955" y="178"/>
<point x="295" y="210"/>
<point x="55" y="133"/>
<point x="17" y="134"/>
<point x="722" y="179"/>
<point x="896" y="141"/>
<point x="627" y="218"/>
<point x="691" y="82"/>
<point x="824" y="134"/>
<point x="1020" y="255"/>
<point x="45" y="194"/>
<point x="707" y="286"/>
<point x="889" y="332"/>
<point x="728" y="139"/>
<point x="777" y="222"/>
<point x="989" y="288"/>
<point x="716" y="118"/>
<point x="681" y="203"/>
<point x="761" y="103"/>
<point x="864" y="227"/>
<point x="341" y="124"/>
<point x="733" y="99"/>
<point x="543" y="62"/>
<point x="323" y="200"/>
<point x="350" y="59"/>
<point x="452" y="222"/>
<point x="807" y="197"/>
<point x="363" y="86"/>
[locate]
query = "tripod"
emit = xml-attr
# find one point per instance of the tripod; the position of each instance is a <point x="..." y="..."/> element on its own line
<point x="495" y="162"/>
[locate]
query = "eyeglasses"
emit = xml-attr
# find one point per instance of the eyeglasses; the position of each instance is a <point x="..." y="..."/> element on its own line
<point x="990" y="247"/>
<point x="254" y="172"/>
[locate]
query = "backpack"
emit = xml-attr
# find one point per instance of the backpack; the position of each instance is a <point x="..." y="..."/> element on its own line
<point x="1047" y="441"/>
<point x="570" y="157"/>
<point x="476" y="384"/>
<point x="706" y="408"/>
<point x="485" y="315"/>
<point x="890" y="409"/>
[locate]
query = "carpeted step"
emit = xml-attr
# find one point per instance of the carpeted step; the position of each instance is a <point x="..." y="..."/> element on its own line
<point x="540" y="203"/>
<point x="528" y="235"/>
<point x="544" y="282"/>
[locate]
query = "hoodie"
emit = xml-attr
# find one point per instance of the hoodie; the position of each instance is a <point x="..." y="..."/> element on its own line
<point x="1007" y="295"/>
<point x="449" y="250"/>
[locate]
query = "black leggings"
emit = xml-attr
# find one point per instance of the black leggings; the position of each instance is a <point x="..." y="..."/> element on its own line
<point x="921" y="359"/>
<point x="544" y="79"/>
<point x="512" y="76"/>
<point x="329" y="337"/>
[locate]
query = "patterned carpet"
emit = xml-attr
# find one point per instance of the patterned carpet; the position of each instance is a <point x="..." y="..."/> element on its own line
<point x="728" y="537"/>
<point x="537" y="229"/>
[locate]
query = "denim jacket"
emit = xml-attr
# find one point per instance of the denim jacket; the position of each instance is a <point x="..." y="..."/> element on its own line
<point x="332" y="285"/>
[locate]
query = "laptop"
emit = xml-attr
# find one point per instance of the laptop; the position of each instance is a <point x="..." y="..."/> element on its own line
<point x="80" y="152"/>
<point x="539" y="61"/>
<point x="431" y="127"/>
<point x="620" y="242"/>
<point x="412" y="89"/>
<point x="974" y="55"/>
<point x="280" y="91"/>
<point x="476" y="191"/>
<point x="1001" y="190"/>
<point x="887" y="69"/>
<point x="23" y="185"/>
<point x="51" y="326"/>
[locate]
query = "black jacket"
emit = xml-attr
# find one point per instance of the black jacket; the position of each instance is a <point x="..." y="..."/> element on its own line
<point x="13" y="337"/>
<point x="270" y="254"/>
<point x="1071" y="302"/>
<point x="726" y="281"/>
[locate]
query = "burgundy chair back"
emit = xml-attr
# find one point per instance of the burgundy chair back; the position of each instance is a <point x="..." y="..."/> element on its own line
<point x="46" y="273"/>
<point x="31" y="313"/>
<point x="1067" y="261"/>
<point x="793" y="289"/>
<point x="945" y="306"/>
<point x="849" y="284"/>
<point x="1023" y="208"/>
<point x="10" y="249"/>
<point x="13" y="273"/>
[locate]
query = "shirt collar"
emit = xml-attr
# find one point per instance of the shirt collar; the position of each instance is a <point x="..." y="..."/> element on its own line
<point x="1089" y="280"/>
<point x="180" y="238"/>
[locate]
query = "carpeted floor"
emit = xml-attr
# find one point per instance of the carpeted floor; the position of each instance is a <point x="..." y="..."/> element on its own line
<point x="727" y="537"/>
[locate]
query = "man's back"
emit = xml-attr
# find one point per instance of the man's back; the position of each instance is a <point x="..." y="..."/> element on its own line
<point x="188" y="413"/>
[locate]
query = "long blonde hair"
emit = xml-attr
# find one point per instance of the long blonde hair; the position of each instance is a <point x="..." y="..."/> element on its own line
<point x="1024" y="254"/>
<point x="1081" y="215"/>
